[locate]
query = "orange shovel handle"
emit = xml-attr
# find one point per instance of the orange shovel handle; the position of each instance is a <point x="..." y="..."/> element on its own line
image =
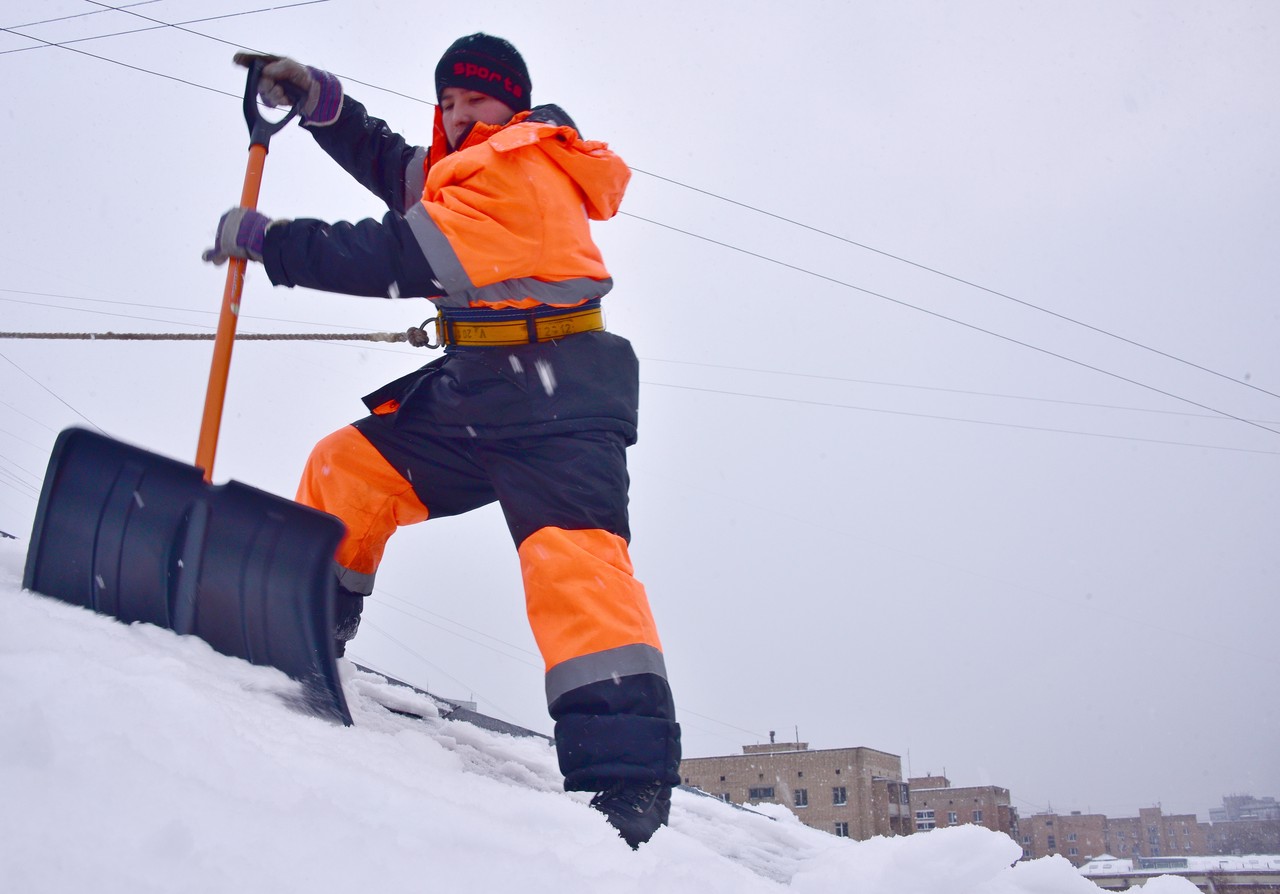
<point x="260" y="132"/>
<point x="216" y="393"/>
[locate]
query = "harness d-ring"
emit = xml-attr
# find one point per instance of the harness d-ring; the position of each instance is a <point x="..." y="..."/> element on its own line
<point x="420" y="338"/>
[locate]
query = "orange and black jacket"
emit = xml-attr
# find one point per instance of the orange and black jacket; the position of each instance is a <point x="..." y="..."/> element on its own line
<point x="519" y="240"/>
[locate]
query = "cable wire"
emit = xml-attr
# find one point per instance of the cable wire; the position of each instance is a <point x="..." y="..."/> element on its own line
<point x="941" y="316"/>
<point x="956" y="279"/>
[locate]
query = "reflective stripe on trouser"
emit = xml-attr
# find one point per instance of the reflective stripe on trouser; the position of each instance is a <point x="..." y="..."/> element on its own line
<point x="564" y="496"/>
<point x="606" y="677"/>
<point x="346" y="476"/>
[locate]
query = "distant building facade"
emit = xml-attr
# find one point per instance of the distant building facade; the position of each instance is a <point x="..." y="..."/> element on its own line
<point x="1244" y="808"/>
<point x="1152" y="834"/>
<point x="1076" y="836"/>
<point x="851" y="792"/>
<point x="1081" y="837"/>
<point x="937" y="804"/>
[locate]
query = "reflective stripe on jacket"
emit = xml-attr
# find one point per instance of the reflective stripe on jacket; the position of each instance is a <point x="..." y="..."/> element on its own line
<point x="504" y="220"/>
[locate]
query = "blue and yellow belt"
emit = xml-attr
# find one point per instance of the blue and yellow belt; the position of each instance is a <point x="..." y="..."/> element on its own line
<point x="475" y="327"/>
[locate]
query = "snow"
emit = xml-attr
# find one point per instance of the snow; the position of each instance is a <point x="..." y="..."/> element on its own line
<point x="134" y="760"/>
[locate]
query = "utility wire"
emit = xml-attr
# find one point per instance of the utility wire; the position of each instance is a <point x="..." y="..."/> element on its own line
<point x="84" y="15"/>
<point x="907" y="413"/>
<point x="942" y="316"/>
<point x="809" y="227"/>
<point x="156" y="26"/>
<point x="395" y="337"/>
<point x="961" y="391"/>
<point x="942" y="273"/>
<point x="51" y="394"/>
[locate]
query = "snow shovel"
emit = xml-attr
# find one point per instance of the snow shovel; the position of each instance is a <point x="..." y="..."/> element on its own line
<point x="143" y="537"/>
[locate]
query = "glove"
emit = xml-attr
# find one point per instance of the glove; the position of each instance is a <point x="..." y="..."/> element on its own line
<point x="284" y="82"/>
<point x="240" y="234"/>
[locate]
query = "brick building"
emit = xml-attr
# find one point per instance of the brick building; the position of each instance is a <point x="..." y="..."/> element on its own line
<point x="851" y="792"/>
<point x="1152" y="834"/>
<point x="1076" y="836"/>
<point x="937" y="804"/>
<point x="1080" y="837"/>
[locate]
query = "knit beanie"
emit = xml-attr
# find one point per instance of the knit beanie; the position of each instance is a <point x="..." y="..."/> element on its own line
<point x="488" y="65"/>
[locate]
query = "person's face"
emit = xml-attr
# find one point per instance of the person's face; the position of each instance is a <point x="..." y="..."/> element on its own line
<point x="462" y="108"/>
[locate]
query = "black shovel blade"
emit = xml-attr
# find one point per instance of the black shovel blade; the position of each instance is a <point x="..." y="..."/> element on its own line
<point x="143" y="537"/>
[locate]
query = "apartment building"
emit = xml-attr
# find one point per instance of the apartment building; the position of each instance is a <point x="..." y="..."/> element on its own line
<point x="1152" y="834"/>
<point x="851" y="792"/>
<point x="1076" y="836"/>
<point x="1081" y="837"/>
<point x="937" y="804"/>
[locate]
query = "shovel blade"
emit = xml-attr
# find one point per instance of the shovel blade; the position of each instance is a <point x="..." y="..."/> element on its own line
<point x="143" y="537"/>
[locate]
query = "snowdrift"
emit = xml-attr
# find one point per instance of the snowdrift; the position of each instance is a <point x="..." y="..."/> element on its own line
<point x="134" y="760"/>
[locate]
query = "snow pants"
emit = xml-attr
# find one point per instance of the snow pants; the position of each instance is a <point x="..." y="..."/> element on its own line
<point x="564" y="496"/>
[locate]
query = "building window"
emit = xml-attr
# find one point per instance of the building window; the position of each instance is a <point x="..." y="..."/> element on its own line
<point x="1071" y="837"/>
<point x="952" y="818"/>
<point x="925" y="820"/>
<point x="842" y="830"/>
<point x="763" y="793"/>
<point x="802" y="797"/>
<point x="1053" y="842"/>
<point x="977" y="816"/>
<point x="1026" y="839"/>
<point x="1073" y="852"/>
<point x="839" y="796"/>
<point x="725" y="798"/>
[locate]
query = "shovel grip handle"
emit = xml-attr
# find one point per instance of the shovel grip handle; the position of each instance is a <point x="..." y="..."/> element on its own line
<point x="260" y="132"/>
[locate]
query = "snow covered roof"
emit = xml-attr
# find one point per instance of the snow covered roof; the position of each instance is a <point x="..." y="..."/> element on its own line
<point x="1109" y="865"/>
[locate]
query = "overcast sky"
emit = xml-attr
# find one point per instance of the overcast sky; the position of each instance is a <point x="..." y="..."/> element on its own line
<point x="960" y="424"/>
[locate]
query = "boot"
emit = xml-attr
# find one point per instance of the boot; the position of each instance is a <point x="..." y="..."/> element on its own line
<point x="346" y="618"/>
<point x="635" y="809"/>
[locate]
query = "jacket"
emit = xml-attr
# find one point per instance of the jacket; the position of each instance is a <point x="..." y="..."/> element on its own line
<point x="501" y="222"/>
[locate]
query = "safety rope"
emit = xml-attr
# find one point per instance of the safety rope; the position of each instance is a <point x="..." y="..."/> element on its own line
<point x="209" y="336"/>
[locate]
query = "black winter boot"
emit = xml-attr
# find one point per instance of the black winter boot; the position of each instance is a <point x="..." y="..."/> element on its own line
<point x="635" y="809"/>
<point x="346" y="618"/>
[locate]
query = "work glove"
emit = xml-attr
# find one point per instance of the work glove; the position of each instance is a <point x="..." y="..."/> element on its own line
<point x="240" y="234"/>
<point x="285" y="82"/>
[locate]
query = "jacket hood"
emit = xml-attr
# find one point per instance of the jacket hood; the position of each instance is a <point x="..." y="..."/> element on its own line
<point x="599" y="173"/>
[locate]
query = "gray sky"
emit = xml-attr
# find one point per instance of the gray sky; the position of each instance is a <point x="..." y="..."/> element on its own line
<point x="959" y="324"/>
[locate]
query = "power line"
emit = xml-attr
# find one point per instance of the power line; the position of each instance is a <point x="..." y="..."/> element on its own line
<point x="797" y="268"/>
<point x="941" y="316"/>
<point x="935" y="388"/>
<point x="396" y="337"/>
<point x="156" y="26"/>
<point x="51" y="393"/>
<point x="1060" y="431"/>
<point x="83" y="15"/>
<point x="819" y="231"/>
<point x="942" y="273"/>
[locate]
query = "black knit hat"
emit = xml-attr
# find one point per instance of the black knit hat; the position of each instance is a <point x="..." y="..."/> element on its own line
<point x="488" y="65"/>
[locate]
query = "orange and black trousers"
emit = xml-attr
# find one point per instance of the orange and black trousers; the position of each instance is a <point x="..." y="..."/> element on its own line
<point x="564" y="497"/>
